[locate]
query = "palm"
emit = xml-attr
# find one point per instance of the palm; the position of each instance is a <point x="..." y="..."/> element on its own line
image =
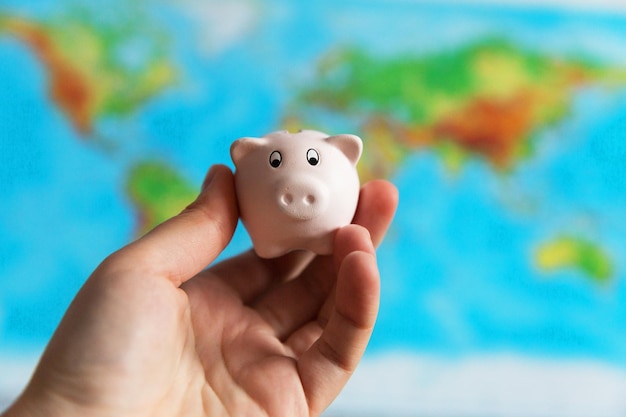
<point x="249" y="368"/>
<point x="263" y="324"/>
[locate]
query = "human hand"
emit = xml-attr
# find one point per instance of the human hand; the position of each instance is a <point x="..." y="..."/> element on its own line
<point x="152" y="333"/>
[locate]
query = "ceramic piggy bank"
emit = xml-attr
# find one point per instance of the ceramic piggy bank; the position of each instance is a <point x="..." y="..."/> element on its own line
<point x="296" y="189"/>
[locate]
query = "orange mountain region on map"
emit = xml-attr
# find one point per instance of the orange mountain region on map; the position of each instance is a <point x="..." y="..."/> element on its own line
<point x="87" y="78"/>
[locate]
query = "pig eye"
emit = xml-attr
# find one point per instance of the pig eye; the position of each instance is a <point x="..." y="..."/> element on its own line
<point x="312" y="157"/>
<point x="275" y="159"/>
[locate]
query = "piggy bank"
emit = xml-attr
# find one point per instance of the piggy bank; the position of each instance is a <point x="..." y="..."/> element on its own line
<point x="296" y="189"/>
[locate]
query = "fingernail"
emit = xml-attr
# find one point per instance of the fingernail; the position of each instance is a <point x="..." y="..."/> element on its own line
<point x="208" y="179"/>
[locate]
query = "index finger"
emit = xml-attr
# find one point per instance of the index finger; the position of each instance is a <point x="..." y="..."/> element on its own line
<point x="377" y="205"/>
<point x="328" y="364"/>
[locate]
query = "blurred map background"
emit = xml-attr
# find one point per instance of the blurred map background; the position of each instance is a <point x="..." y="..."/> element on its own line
<point x="502" y="124"/>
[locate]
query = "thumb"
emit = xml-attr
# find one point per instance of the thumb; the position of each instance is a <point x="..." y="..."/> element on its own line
<point x="182" y="246"/>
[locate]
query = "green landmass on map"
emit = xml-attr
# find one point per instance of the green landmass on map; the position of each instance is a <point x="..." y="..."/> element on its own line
<point x="91" y="72"/>
<point x="487" y="99"/>
<point x="158" y="192"/>
<point x="98" y="69"/>
<point x="575" y="253"/>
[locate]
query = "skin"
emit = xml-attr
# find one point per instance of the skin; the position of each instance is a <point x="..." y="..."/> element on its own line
<point x="154" y="333"/>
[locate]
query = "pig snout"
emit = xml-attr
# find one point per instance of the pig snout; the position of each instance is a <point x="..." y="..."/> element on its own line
<point x="302" y="198"/>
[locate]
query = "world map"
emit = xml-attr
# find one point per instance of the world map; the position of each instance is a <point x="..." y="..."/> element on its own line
<point x="504" y="129"/>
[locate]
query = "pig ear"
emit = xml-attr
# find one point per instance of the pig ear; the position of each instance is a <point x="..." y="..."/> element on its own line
<point x="241" y="147"/>
<point x="350" y="145"/>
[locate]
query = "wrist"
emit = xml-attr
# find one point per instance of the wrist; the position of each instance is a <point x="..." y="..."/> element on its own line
<point x="32" y="403"/>
<point x="22" y="407"/>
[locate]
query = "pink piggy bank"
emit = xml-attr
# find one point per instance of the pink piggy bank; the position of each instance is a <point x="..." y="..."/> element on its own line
<point x="296" y="189"/>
